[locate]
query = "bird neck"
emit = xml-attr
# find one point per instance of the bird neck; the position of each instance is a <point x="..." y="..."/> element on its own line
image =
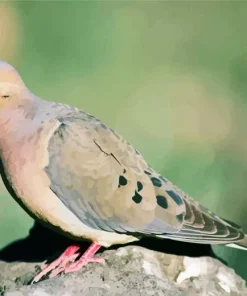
<point x="15" y="123"/>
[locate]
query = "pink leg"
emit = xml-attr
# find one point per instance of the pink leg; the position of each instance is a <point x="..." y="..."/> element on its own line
<point x="43" y="266"/>
<point x="68" y="255"/>
<point x="85" y="259"/>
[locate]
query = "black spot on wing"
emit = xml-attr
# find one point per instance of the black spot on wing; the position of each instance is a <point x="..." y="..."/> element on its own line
<point x="161" y="201"/>
<point x="156" y="182"/>
<point x="139" y="186"/>
<point x="180" y="217"/>
<point x="137" y="198"/>
<point x="147" y="173"/>
<point x="122" y="181"/>
<point x="178" y="200"/>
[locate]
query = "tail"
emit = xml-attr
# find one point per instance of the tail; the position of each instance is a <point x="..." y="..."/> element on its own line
<point x="198" y="224"/>
<point x="201" y="226"/>
<point x="242" y="244"/>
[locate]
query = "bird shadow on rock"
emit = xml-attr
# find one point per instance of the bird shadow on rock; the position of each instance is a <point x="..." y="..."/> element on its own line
<point x="42" y="244"/>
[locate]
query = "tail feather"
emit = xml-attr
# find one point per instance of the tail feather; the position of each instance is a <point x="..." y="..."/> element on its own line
<point x="202" y="226"/>
<point x="242" y="244"/>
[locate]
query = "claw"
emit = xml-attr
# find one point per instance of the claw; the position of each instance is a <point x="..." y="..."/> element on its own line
<point x="65" y="257"/>
<point x="66" y="262"/>
<point x="82" y="262"/>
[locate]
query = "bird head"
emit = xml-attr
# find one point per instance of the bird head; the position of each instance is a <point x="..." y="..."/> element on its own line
<point x="11" y="85"/>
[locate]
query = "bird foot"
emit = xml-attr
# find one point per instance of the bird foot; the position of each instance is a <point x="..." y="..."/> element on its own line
<point x="65" y="263"/>
<point x="76" y="265"/>
<point x="43" y="266"/>
<point x="69" y="255"/>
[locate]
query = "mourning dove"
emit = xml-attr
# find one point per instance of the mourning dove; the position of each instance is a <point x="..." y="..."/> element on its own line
<point x="75" y="175"/>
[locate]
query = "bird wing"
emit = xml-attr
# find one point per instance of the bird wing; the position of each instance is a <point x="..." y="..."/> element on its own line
<point x="106" y="183"/>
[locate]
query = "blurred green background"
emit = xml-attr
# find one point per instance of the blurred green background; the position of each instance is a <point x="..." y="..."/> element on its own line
<point x="169" y="76"/>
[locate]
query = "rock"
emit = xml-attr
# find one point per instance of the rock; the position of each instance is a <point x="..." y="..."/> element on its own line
<point x="131" y="271"/>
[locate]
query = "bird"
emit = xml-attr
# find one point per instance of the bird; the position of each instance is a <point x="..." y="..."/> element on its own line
<point x="80" y="178"/>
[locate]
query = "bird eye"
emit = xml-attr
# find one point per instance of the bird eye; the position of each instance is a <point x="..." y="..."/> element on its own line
<point x="5" y="96"/>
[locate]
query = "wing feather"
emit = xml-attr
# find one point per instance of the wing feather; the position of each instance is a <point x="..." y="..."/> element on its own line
<point x="108" y="185"/>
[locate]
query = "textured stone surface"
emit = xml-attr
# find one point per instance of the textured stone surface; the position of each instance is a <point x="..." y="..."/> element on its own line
<point x="131" y="271"/>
